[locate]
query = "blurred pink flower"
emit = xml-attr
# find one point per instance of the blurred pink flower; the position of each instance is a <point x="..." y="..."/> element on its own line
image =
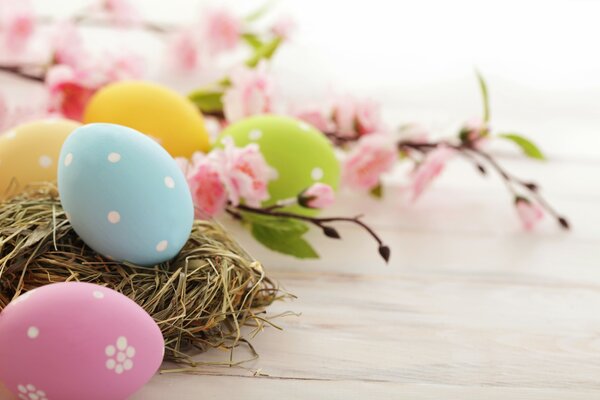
<point x="431" y="167"/>
<point x="121" y="12"/>
<point x="475" y="132"/>
<point x="244" y="172"/>
<point x="373" y="156"/>
<point x="222" y="30"/>
<point x="251" y="92"/>
<point x="368" y="117"/>
<point x="185" y="49"/>
<point x="316" y="118"/>
<point x="17" y="23"/>
<point x="529" y="213"/>
<point x="71" y="87"/>
<point x="118" y="66"/>
<point x="69" y="94"/>
<point x="344" y="113"/>
<point x="208" y="191"/>
<point x="356" y="117"/>
<point x="283" y="27"/>
<point x="67" y="45"/>
<point x="319" y="195"/>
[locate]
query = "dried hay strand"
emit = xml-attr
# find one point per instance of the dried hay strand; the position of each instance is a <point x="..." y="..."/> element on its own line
<point x="201" y="299"/>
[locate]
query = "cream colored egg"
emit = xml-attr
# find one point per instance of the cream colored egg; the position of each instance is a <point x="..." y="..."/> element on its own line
<point x="29" y="153"/>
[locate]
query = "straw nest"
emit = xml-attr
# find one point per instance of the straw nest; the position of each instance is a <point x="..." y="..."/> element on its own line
<point x="201" y="299"/>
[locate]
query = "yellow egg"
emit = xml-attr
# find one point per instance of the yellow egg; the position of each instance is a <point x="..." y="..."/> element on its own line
<point x="29" y="153"/>
<point x="155" y="110"/>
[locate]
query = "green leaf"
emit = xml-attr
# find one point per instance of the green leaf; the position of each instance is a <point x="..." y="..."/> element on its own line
<point x="266" y="51"/>
<point x="208" y="100"/>
<point x="252" y="40"/>
<point x="257" y="14"/>
<point x="484" y="96"/>
<point x="377" y="191"/>
<point x="283" y="225"/>
<point x="526" y="145"/>
<point x="283" y="242"/>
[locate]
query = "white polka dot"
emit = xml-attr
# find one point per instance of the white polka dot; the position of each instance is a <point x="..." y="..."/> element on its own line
<point x="68" y="159"/>
<point x="98" y="294"/>
<point x="122" y="343"/>
<point x="114" y="217"/>
<point x="130" y="352"/>
<point x="114" y="157"/>
<point x="110" y="363"/>
<point x="255" y="134"/>
<point x="162" y="246"/>
<point x="33" y="396"/>
<point x="316" y="173"/>
<point x="110" y="350"/>
<point x="22" y="388"/>
<point x="45" y="161"/>
<point x="30" y="387"/>
<point x="121" y="357"/>
<point x="304" y="126"/>
<point x="128" y="364"/>
<point x="33" y="332"/>
<point x="169" y="182"/>
<point x="119" y="369"/>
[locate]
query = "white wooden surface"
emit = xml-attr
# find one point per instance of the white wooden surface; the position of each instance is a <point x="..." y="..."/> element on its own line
<point x="470" y="306"/>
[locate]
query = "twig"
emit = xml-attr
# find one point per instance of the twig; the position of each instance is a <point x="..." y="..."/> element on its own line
<point x="322" y="223"/>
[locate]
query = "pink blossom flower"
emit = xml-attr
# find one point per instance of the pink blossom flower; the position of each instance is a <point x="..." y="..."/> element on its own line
<point x="431" y="167"/>
<point x="71" y="87"/>
<point x="316" y="118"/>
<point x="283" y="27"/>
<point x="121" y="12"/>
<point x="529" y="213"/>
<point x="207" y="188"/>
<point x="222" y="30"/>
<point x="67" y="45"/>
<point x="357" y="118"/>
<point x="185" y="49"/>
<point x="251" y="92"/>
<point x="69" y="94"/>
<point x="373" y="156"/>
<point x="244" y="172"/>
<point x="118" y="66"/>
<point x="17" y="23"/>
<point x="368" y="117"/>
<point x="344" y="116"/>
<point x="319" y="195"/>
<point x="475" y="132"/>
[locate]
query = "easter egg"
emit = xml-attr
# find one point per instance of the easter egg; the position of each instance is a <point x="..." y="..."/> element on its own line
<point x="299" y="153"/>
<point x="29" y="153"/>
<point x="171" y="119"/>
<point x="124" y="195"/>
<point x="73" y="341"/>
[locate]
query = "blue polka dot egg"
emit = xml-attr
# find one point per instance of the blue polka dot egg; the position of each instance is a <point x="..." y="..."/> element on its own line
<point x="124" y="194"/>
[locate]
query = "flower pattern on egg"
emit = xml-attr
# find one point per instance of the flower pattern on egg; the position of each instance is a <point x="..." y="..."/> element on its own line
<point x="30" y="392"/>
<point x="120" y="356"/>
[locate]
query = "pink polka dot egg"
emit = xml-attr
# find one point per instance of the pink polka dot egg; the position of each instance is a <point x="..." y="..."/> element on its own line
<point x="74" y="341"/>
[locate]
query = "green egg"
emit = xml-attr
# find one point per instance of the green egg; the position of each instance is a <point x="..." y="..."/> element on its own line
<point x="300" y="153"/>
